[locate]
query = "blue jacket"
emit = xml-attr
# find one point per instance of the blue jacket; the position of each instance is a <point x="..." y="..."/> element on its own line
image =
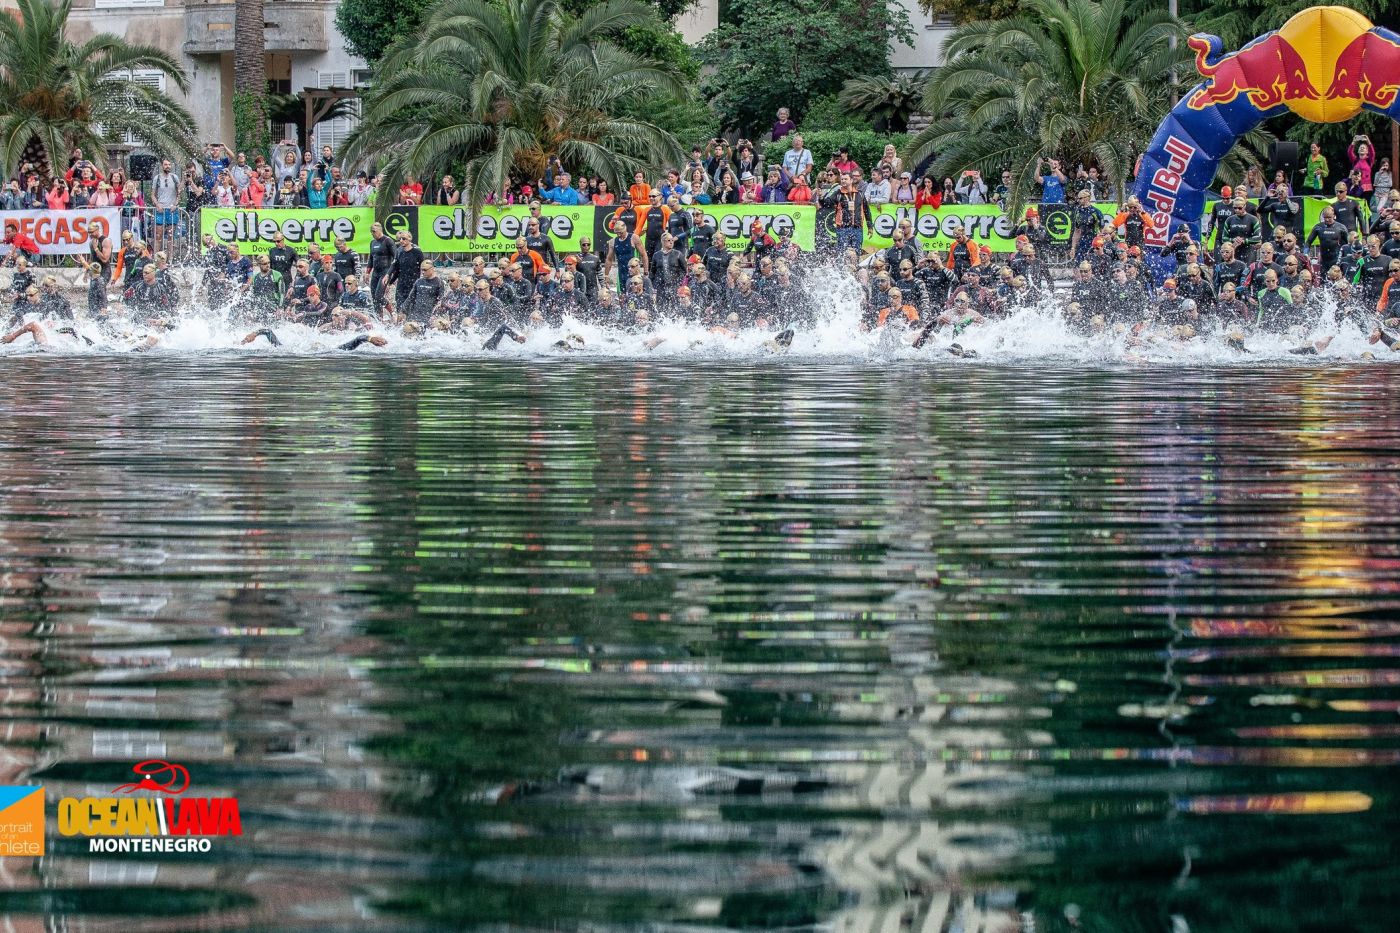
<point x="566" y="196"/>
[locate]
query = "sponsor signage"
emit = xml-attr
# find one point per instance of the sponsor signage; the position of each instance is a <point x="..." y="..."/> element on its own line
<point x="59" y="233"/>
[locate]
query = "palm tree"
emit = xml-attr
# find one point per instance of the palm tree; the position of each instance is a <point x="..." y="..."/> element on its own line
<point x="1082" y="81"/>
<point x="55" y="95"/>
<point x="250" y="71"/>
<point x="887" y="101"/>
<point x="283" y="109"/>
<point x="494" y="89"/>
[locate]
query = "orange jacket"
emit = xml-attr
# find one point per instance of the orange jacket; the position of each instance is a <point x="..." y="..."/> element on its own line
<point x="911" y="314"/>
<point x="641" y="194"/>
<point x="642" y="217"/>
<point x="1121" y="218"/>
<point x="536" y="261"/>
<point x="974" y="254"/>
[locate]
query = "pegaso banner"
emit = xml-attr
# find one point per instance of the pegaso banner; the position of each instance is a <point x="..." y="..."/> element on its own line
<point x="58" y="233"/>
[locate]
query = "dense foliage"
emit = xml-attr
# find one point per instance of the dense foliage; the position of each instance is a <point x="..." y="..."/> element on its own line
<point x="496" y="89"/>
<point x="866" y="146"/>
<point x="789" y="54"/>
<point x="56" y="94"/>
<point x="1077" y="80"/>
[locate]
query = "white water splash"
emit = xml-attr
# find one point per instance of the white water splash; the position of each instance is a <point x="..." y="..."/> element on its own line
<point x="1038" y="333"/>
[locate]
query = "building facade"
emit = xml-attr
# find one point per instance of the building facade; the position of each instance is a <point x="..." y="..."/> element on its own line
<point x="304" y="49"/>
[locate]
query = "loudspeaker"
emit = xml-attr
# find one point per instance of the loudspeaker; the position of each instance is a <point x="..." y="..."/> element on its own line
<point x="142" y="167"/>
<point x="1284" y="157"/>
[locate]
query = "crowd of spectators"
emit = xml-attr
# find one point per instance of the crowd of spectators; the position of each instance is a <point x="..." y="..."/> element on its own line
<point x="662" y="254"/>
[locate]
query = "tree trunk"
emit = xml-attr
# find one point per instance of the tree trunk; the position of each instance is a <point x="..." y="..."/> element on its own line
<point x="250" y="67"/>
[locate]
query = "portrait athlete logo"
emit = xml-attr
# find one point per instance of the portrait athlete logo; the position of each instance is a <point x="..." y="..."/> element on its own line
<point x="152" y="815"/>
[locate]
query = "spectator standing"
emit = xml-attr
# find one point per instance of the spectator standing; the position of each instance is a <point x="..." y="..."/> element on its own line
<point x="602" y="197"/>
<point x="797" y="161"/>
<point x="842" y="162"/>
<point x="782" y="126"/>
<point x="1052" y="183"/>
<point x="1383" y="181"/>
<point x="877" y="190"/>
<point x="971" y="188"/>
<point x="775" y="186"/>
<point x="563" y="191"/>
<point x="286" y="161"/>
<point x="928" y="194"/>
<point x="1363" y="159"/>
<point x="411" y="193"/>
<point x="1315" y="172"/>
<point x="903" y="190"/>
<point x="448" y="194"/>
<point x="165" y="191"/>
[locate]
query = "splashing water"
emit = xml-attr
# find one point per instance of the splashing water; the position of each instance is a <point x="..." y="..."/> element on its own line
<point x="1033" y="332"/>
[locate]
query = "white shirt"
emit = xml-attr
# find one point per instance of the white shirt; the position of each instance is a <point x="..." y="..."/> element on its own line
<point x="797" y="161"/>
<point x="877" y="192"/>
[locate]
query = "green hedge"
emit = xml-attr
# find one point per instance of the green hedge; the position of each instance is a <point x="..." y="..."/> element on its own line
<point x="866" y="146"/>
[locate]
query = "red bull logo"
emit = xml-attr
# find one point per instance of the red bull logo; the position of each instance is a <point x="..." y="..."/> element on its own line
<point x="1368" y="70"/>
<point x="1322" y="47"/>
<point x="1268" y="71"/>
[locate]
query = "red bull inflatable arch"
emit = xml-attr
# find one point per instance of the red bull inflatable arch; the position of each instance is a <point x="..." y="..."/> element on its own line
<point x="1326" y="64"/>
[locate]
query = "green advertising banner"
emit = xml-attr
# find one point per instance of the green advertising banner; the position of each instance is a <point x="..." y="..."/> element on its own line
<point x="252" y="230"/>
<point x="985" y="224"/>
<point x="449" y="229"/>
<point x="736" y="220"/>
<point x="440" y="230"/>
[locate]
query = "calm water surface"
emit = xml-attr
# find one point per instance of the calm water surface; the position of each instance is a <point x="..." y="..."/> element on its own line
<point x="709" y="646"/>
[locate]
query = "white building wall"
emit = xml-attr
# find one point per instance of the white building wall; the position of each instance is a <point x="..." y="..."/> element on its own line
<point x="929" y="35"/>
<point x="162" y="23"/>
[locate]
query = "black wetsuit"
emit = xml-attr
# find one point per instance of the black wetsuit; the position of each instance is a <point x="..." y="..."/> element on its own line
<point x="345" y="263"/>
<point x="297" y="290"/>
<point x="283" y="259"/>
<point x="667" y="271"/>
<point x="1371" y="273"/>
<point x="332" y="286"/>
<point x="542" y="244"/>
<point x="407" y="268"/>
<point x="1349" y="215"/>
<point x="654" y="226"/>
<point x="265" y="291"/>
<point x="97" y="296"/>
<point x="1329" y="239"/>
<point x="381" y="260"/>
<point x="423" y="298"/>
<point x="586" y="271"/>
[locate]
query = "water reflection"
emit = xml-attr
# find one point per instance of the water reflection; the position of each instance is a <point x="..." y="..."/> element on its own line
<point x="732" y="646"/>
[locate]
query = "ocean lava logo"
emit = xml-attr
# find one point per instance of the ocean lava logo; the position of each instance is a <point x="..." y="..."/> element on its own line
<point x="166" y="821"/>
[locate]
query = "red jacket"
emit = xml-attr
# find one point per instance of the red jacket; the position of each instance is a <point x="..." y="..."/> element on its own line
<point x="22" y="243"/>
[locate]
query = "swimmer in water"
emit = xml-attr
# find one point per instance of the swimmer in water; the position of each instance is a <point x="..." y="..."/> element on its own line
<point x="353" y="344"/>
